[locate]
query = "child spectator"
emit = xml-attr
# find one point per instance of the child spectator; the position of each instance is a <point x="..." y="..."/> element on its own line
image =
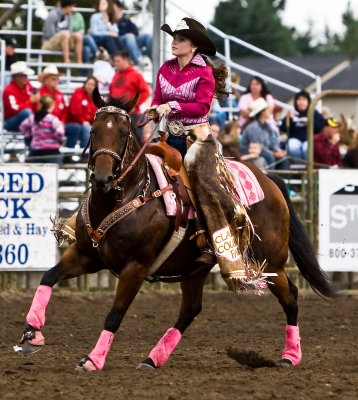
<point x="57" y="32"/>
<point x="254" y="155"/>
<point x="104" y="29"/>
<point x="102" y="68"/>
<point x="81" y="113"/>
<point x="49" y="79"/>
<point x="326" y="146"/>
<point x="229" y="138"/>
<point x="132" y="41"/>
<point x="44" y="133"/>
<point x="257" y="89"/>
<point x="18" y="96"/>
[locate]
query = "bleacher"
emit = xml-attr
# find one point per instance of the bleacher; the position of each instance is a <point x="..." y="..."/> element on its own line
<point x="12" y="146"/>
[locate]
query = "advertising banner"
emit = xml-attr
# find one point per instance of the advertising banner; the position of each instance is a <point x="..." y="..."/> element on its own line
<point x="28" y="197"/>
<point x="338" y="219"/>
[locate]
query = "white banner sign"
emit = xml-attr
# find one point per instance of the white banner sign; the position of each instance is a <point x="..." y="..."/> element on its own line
<point x="338" y="220"/>
<point x="28" y="197"/>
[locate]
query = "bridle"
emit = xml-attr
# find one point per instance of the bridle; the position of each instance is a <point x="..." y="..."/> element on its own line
<point x="113" y="154"/>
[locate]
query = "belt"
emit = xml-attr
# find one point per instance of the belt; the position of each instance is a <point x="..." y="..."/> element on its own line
<point x="176" y="128"/>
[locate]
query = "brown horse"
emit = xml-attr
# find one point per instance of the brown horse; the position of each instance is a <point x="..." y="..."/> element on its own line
<point x="129" y="248"/>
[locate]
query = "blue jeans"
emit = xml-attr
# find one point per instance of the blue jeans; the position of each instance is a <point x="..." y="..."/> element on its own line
<point x="77" y="132"/>
<point x="297" y="149"/>
<point x="179" y="143"/>
<point x="134" y="43"/>
<point x="45" y="156"/>
<point x="13" y="123"/>
<point x="110" y="43"/>
<point x="89" y="48"/>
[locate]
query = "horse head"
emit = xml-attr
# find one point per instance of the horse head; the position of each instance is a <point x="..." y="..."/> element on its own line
<point x="112" y="144"/>
<point x="347" y="129"/>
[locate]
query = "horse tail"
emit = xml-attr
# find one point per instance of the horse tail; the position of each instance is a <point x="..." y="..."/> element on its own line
<point x="302" y="249"/>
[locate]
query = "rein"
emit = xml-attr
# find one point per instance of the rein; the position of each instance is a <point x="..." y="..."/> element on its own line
<point x="141" y="151"/>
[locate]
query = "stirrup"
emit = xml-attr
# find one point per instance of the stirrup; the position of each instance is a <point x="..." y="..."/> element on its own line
<point x="207" y="256"/>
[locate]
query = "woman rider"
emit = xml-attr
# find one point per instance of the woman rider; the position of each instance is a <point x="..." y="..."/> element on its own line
<point x="185" y="87"/>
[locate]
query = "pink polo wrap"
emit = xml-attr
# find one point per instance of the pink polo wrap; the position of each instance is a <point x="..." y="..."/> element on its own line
<point x="165" y="347"/>
<point x="292" y="350"/>
<point x="99" y="353"/>
<point x="36" y="314"/>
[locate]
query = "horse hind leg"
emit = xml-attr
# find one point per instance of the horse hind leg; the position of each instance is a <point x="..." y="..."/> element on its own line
<point x="286" y="293"/>
<point x="191" y="305"/>
<point x="71" y="265"/>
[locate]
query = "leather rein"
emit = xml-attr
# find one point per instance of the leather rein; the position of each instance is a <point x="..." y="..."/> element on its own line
<point x="96" y="235"/>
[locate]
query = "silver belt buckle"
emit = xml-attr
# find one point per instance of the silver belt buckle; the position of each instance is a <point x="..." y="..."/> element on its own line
<point x="176" y="128"/>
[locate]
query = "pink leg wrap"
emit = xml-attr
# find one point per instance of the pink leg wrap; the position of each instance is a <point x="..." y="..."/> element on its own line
<point x="292" y="350"/>
<point x="165" y="347"/>
<point x="99" y="353"/>
<point x="36" y="315"/>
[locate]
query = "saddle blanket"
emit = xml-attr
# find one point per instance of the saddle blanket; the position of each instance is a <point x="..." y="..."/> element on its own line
<point x="247" y="186"/>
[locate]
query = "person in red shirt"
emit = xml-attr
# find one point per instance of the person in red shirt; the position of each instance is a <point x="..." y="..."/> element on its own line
<point x="49" y="79"/>
<point x="326" y="145"/>
<point x="126" y="83"/>
<point x="18" y="96"/>
<point x="81" y="113"/>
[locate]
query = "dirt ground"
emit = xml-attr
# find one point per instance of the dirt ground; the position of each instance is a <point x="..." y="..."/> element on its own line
<point x="249" y="327"/>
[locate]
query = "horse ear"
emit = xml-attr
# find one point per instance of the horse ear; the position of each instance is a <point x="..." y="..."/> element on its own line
<point x="132" y="103"/>
<point x="97" y="99"/>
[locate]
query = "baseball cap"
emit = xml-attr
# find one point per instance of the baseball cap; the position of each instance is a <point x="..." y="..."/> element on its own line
<point x="11" y="42"/>
<point x="66" y="3"/>
<point x="333" y="123"/>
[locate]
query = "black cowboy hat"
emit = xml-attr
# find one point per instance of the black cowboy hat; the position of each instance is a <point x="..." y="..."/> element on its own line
<point x="195" y="31"/>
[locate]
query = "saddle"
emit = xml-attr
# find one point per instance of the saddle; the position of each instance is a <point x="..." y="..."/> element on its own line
<point x="176" y="175"/>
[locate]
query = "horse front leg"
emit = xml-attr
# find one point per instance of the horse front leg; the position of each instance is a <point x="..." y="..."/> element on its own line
<point x="72" y="264"/>
<point x="129" y="283"/>
<point x="191" y="305"/>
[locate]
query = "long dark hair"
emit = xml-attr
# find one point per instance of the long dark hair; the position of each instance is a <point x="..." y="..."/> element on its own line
<point x="220" y="73"/>
<point x="264" y="89"/>
<point x="110" y="11"/>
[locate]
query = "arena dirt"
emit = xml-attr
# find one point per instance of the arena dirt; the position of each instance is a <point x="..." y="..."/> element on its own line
<point x="227" y="353"/>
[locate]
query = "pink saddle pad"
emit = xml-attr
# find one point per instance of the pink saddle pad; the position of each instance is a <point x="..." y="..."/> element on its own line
<point x="247" y="186"/>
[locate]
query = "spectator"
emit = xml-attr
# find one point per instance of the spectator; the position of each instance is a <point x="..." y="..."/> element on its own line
<point x="81" y="113"/>
<point x="295" y="125"/>
<point x="229" y="138"/>
<point x="256" y="89"/>
<point x="260" y="131"/>
<point x="44" y="133"/>
<point x="18" y="96"/>
<point x="89" y="44"/>
<point x="104" y="29"/>
<point x="216" y="114"/>
<point x="326" y="145"/>
<point x="126" y="83"/>
<point x="254" y="155"/>
<point x="102" y="68"/>
<point x="49" y="79"/>
<point x="215" y="130"/>
<point x="10" y="57"/>
<point x="350" y="160"/>
<point x="57" y="32"/>
<point x="132" y="41"/>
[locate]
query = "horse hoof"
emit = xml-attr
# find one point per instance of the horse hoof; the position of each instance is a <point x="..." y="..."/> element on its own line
<point x="284" y="363"/>
<point x="28" y="348"/>
<point x="85" y="365"/>
<point x="145" y="366"/>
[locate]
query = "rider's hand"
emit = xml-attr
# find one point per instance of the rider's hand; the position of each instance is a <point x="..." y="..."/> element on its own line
<point x="164" y="109"/>
<point x="153" y="113"/>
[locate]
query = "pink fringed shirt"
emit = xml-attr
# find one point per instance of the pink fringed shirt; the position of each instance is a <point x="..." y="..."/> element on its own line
<point x="189" y="92"/>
